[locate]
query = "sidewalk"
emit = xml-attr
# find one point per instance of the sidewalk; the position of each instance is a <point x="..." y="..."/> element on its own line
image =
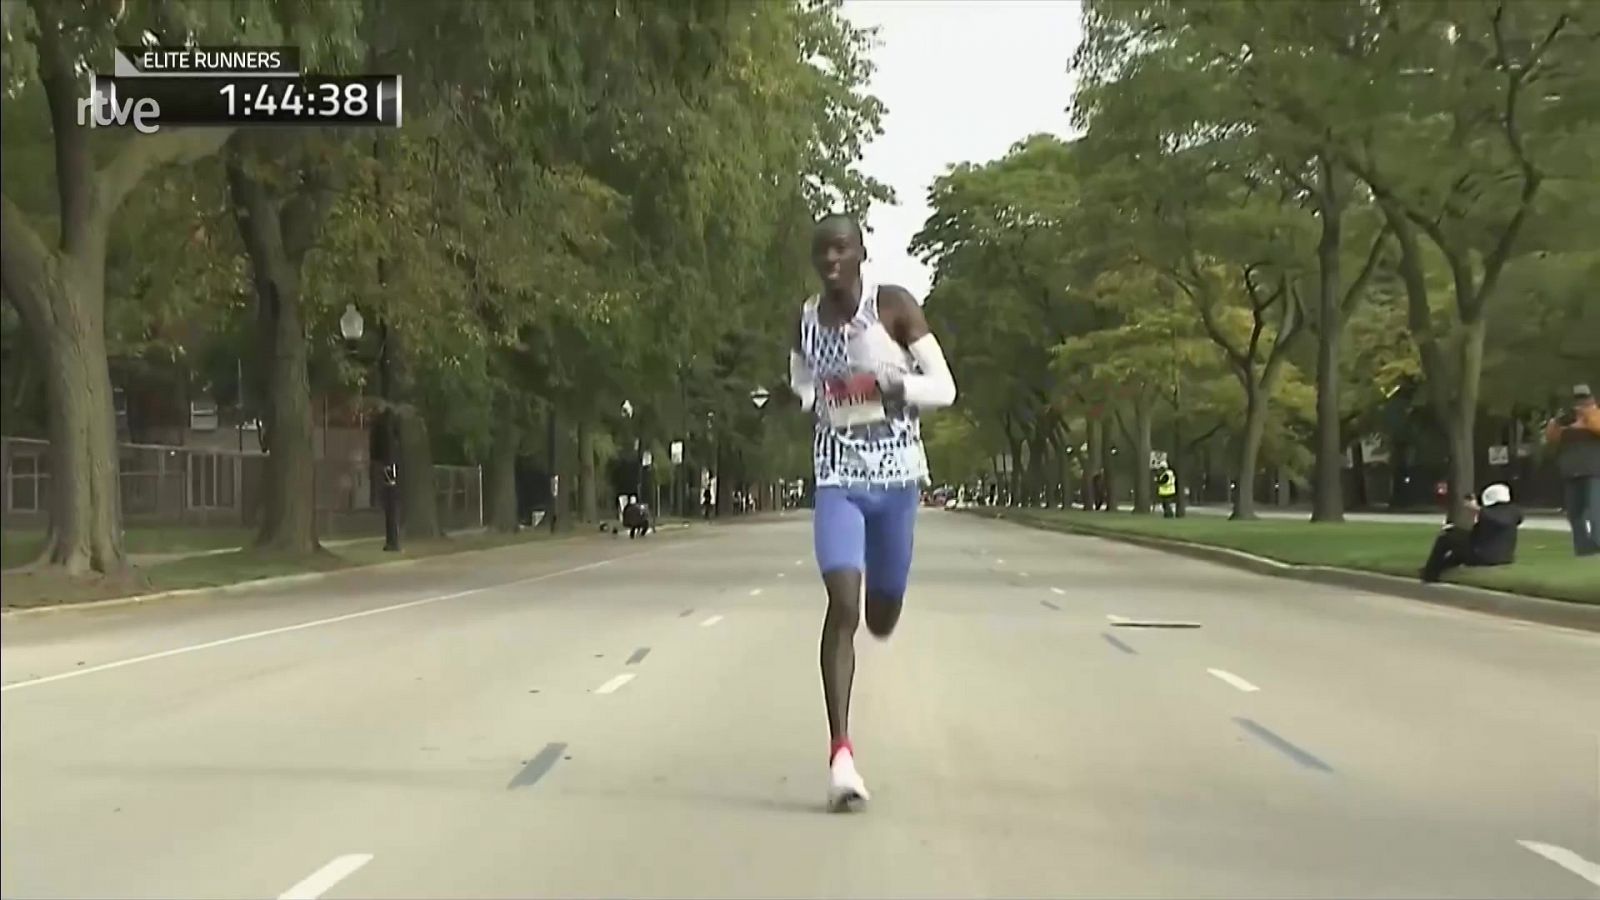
<point x="155" y="559"/>
<point x="1540" y="519"/>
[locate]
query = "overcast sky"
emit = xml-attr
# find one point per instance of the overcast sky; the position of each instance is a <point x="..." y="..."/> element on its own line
<point x="963" y="81"/>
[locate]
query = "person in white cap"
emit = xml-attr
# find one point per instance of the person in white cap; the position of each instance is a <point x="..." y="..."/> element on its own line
<point x="1492" y="540"/>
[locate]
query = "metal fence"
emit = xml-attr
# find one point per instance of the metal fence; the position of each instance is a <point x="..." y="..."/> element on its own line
<point x="188" y="486"/>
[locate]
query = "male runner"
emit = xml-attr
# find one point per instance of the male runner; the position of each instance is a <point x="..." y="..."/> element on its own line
<point x="869" y="349"/>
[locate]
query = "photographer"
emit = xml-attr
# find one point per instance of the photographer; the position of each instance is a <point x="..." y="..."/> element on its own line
<point x="1576" y="437"/>
<point x="1492" y="541"/>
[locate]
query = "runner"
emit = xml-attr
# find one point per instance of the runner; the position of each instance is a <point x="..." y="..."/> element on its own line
<point x="870" y="349"/>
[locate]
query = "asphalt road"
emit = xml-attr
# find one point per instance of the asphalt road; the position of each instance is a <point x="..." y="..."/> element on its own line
<point x="599" y="718"/>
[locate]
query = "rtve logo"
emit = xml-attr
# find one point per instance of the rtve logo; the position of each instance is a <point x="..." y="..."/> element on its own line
<point x="100" y="109"/>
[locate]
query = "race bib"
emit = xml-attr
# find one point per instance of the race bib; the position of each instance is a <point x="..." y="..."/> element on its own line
<point x="853" y="401"/>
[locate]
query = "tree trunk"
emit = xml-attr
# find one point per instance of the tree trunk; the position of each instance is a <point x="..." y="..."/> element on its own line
<point x="419" y="495"/>
<point x="502" y="475"/>
<point x="288" y="514"/>
<point x="1142" y="424"/>
<point x="1108" y="469"/>
<point x="85" y="497"/>
<point x="588" y="490"/>
<point x="1327" y="494"/>
<point x="1358" y="474"/>
<point x="1461" y="421"/>
<point x="1255" y="425"/>
<point x="1093" y="464"/>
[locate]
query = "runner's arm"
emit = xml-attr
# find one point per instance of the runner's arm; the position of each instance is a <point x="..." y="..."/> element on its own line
<point x="800" y="379"/>
<point x="934" y="387"/>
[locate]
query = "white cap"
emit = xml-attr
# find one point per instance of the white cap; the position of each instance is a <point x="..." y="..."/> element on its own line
<point x="1496" y="494"/>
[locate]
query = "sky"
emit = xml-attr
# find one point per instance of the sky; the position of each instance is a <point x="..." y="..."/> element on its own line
<point x="963" y="81"/>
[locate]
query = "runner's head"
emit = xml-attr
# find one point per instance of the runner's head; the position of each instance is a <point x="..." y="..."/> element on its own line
<point x="837" y="251"/>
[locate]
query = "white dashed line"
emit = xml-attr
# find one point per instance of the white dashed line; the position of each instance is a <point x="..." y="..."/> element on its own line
<point x="798" y="563"/>
<point x="1058" y="592"/>
<point x="1022" y="574"/>
<point x="317" y="883"/>
<point x="1566" y="859"/>
<point x="710" y="621"/>
<point x="999" y="562"/>
<point x="781" y="574"/>
<point x="1234" y="680"/>
<point x="394" y="607"/>
<point x="1114" y="618"/>
<point x="756" y="592"/>
<point x="611" y="686"/>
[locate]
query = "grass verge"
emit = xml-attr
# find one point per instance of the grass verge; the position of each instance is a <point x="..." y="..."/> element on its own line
<point x="26" y="589"/>
<point x="1545" y="566"/>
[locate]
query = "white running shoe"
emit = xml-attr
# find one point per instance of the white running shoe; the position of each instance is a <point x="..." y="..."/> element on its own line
<point x="847" y="792"/>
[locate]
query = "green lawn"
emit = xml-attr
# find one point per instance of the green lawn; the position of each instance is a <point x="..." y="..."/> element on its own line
<point x="18" y="548"/>
<point x="26" y="589"/>
<point x="1545" y="566"/>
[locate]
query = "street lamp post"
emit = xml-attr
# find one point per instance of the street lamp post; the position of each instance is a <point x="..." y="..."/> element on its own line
<point x="758" y="399"/>
<point x="352" y="327"/>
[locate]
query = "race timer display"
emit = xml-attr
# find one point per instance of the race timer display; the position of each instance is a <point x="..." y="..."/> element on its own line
<point x="200" y="86"/>
<point x="242" y="100"/>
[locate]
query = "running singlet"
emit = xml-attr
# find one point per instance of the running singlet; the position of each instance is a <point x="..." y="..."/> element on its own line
<point x="860" y="438"/>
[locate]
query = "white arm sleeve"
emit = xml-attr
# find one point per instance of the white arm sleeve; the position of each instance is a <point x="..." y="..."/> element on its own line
<point x="800" y="381"/>
<point x="934" y="387"/>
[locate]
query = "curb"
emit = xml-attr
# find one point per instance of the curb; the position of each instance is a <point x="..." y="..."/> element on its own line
<point x="249" y="585"/>
<point x="1561" y="613"/>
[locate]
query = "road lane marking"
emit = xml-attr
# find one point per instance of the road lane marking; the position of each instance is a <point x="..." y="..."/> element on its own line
<point x="1049" y="604"/>
<point x="638" y="656"/>
<point x="331" y="620"/>
<point x="999" y="562"/>
<point x="1058" y="592"/>
<point x="781" y="574"/>
<point x="1566" y="859"/>
<point x="1234" y="680"/>
<point x="1282" y="745"/>
<point x="712" y="620"/>
<point x="317" y="883"/>
<point x="756" y="592"/>
<point x="614" y="684"/>
<point x="1023" y="574"/>
<point x="539" y="765"/>
<point x="1113" y="641"/>
<point x="798" y="563"/>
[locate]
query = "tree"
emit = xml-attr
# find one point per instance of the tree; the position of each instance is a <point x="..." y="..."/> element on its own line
<point x="59" y="291"/>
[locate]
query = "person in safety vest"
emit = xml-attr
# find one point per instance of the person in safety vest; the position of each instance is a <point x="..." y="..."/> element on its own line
<point x="1167" y="490"/>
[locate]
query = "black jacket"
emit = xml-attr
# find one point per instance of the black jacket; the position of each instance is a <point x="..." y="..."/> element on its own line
<point x="1494" y="535"/>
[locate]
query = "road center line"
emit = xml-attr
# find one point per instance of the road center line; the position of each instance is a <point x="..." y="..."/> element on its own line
<point x="317" y="883"/>
<point x="614" y="684"/>
<point x="1234" y="680"/>
<point x="331" y="620"/>
<point x="1566" y="859"/>
<point x="710" y="621"/>
<point x="1058" y="592"/>
<point x="756" y="592"/>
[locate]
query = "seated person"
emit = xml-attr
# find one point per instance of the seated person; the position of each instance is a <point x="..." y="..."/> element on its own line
<point x="1492" y="541"/>
<point x="636" y="517"/>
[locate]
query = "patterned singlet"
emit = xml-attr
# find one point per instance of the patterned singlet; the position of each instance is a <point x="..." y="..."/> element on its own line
<point x="884" y="453"/>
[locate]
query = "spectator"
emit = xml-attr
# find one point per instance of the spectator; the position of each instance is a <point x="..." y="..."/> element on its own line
<point x="1576" y="437"/>
<point x="1492" y="540"/>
